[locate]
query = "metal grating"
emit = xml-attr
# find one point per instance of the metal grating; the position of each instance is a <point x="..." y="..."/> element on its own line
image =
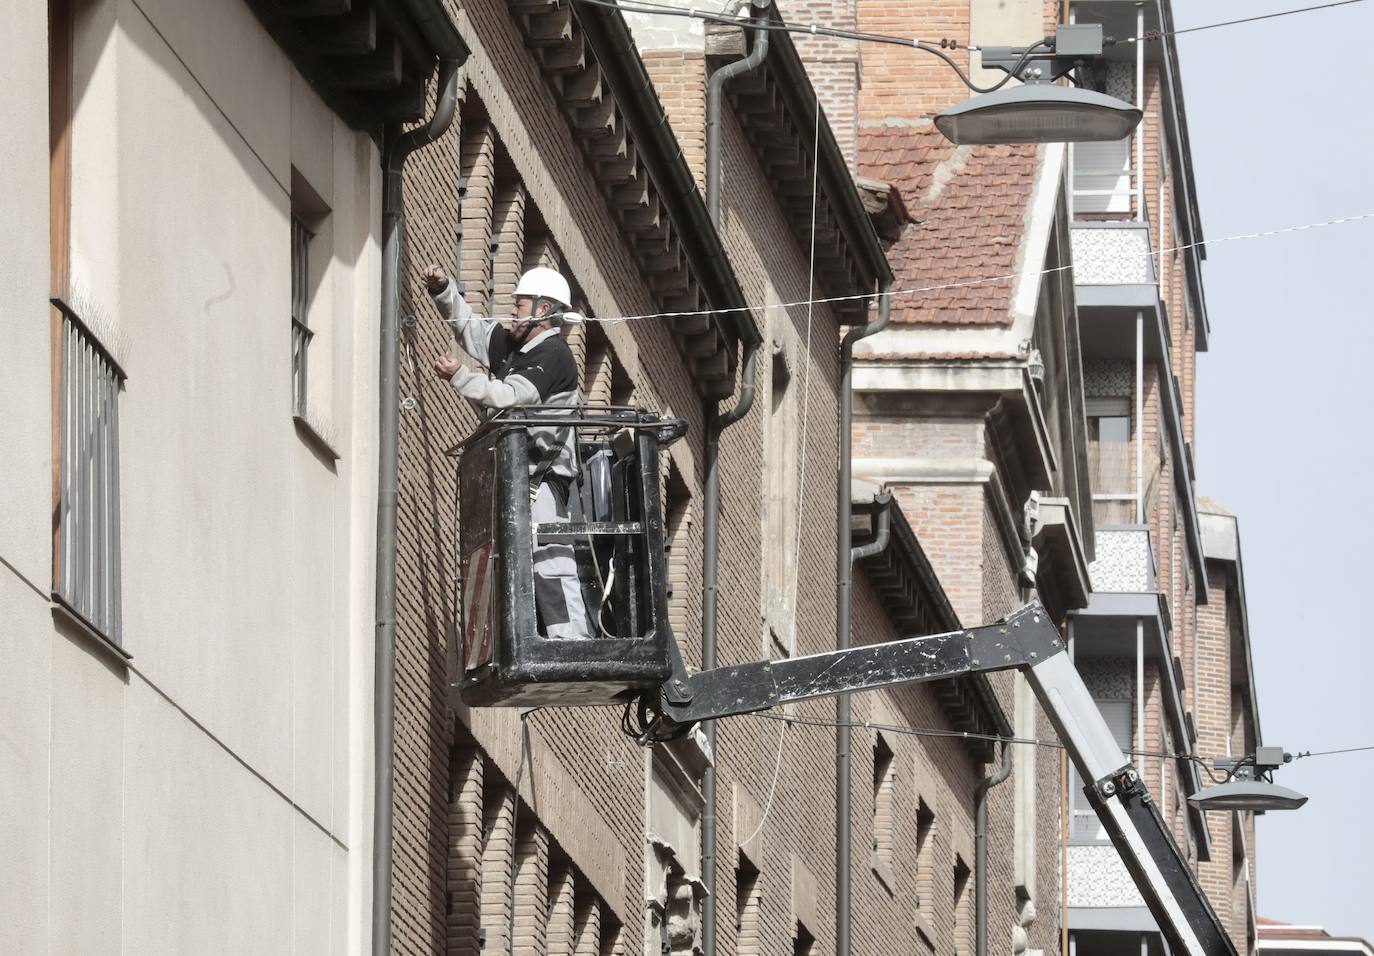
<point x="88" y="512"/>
<point x="300" y="303"/>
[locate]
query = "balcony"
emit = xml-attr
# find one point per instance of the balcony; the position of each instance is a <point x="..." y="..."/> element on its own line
<point x="1098" y="878"/>
<point x="1112" y="253"/>
<point x="1125" y="561"/>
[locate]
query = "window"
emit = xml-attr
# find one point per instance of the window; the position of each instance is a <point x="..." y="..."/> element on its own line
<point x="87" y="571"/>
<point x="925" y="855"/>
<point x="1085" y="826"/>
<point x="780" y="506"/>
<point x="963" y="924"/>
<point x="748" y="932"/>
<point x="673" y="888"/>
<point x="312" y="371"/>
<point x="300" y="309"/>
<point x="1103" y="180"/>
<point x="677" y="525"/>
<point x="884" y="783"/>
<point x="1111" y="460"/>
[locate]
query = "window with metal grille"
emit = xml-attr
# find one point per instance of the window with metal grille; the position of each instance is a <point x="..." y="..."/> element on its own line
<point x="300" y="305"/>
<point x="87" y="562"/>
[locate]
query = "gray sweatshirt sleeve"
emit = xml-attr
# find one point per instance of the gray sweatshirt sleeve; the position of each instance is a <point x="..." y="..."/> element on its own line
<point x="472" y="332"/>
<point x="494" y="392"/>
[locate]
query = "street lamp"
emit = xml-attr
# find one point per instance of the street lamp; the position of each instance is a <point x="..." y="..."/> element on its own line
<point x="1250" y="785"/>
<point x="1039" y="111"/>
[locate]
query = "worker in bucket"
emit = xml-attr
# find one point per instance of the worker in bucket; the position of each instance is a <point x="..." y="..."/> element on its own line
<point x="528" y="364"/>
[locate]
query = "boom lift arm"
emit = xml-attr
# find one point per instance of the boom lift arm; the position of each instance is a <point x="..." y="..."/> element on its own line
<point x="619" y="537"/>
<point x="1028" y="641"/>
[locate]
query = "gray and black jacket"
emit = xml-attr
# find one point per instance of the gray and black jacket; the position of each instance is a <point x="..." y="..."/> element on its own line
<point x="542" y="371"/>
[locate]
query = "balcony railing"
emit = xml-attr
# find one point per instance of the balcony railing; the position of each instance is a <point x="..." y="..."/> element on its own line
<point x="1125" y="561"/>
<point x="1097" y="877"/>
<point x="1112" y="254"/>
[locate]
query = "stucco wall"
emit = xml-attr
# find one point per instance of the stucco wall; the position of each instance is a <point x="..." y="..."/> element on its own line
<point x="204" y="797"/>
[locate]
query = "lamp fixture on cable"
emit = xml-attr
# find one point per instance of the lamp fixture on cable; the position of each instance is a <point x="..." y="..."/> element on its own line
<point x="1039" y="111"/>
<point x="1250" y="784"/>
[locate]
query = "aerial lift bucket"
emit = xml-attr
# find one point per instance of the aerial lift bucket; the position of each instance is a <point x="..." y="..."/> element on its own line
<point x="616" y="529"/>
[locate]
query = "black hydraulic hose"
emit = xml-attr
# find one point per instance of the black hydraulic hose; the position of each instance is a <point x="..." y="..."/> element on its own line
<point x="716" y="422"/>
<point x="845" y="572"/>
<point x="980" y="850"/>
<point x="397" y="148"/>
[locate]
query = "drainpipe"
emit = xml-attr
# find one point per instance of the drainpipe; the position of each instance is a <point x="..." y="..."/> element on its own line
<point x="980" y="850"/>
<point x="397" y="148"/>
<point x="844" y="553"/>
<point x="716" y="423"/>
<point x="882" y="533"/>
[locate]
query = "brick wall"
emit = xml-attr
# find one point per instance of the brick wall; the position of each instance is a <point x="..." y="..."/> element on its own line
<point x="833" y="65"/>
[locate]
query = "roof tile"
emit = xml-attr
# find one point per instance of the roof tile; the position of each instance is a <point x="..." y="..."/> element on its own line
<point x="968" y="204"/>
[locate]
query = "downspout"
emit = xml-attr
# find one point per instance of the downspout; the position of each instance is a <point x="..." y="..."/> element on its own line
<point x="397" y="148"/>
<point x="717" y="422"/>
<point x="845" y="568"/>
<point x="980" y="850"/>
<point x="882" y="533"/>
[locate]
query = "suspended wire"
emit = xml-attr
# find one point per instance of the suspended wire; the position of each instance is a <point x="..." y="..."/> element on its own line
<point x="1327" y="753"/>
<point x="805" y="435"/>
<point x="964" y="283"/>
<point x="772" y="788"/>
<point x="812" y="29"/>
<point x="922" y="290"/>
<point x="944" y="43"/>
<point x="1152" y="35"/>
<point x="953" y="734"/>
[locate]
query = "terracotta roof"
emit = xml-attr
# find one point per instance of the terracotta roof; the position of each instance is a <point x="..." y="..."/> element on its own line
<point x="968" y="204"/>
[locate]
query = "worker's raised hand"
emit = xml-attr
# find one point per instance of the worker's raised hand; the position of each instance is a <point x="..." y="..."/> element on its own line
<point x="435" y="279"/>
<point x="445" y="366"/>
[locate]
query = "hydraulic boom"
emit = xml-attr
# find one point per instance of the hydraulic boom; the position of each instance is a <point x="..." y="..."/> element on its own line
<point x="1028" y="641"/>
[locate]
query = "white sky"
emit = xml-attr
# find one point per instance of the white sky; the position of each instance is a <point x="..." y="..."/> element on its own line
<point x="1281" y="115"/>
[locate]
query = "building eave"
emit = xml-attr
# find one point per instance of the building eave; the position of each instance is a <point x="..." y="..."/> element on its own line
<point x="777" y="108"/>
<point x="916" y="604"/>
<point x="370" y="60"/>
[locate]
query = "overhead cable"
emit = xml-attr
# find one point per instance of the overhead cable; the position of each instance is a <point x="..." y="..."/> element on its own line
<point x="1326" y="753"/>
<point x="1160" y="34"/>
<point x="933" y="47"/>
<point x="922" y="290"/>
<point x="936" y="46"/>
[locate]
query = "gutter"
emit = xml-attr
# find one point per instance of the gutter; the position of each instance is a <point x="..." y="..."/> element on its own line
<point x="396" y="150"/>
<point x="844" y="558"/>
<point x="716" y="423"/>
<point x="980" y="849"/>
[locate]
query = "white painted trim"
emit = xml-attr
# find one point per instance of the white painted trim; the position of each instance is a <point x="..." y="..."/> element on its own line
<point x="925" y="471"/>
<point x="1035" y="240"/>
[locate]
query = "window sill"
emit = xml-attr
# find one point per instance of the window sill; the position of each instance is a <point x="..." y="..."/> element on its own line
<point x="65" y="612"/>
<point x="312" y="437"/>
<point x="883" y="871"/>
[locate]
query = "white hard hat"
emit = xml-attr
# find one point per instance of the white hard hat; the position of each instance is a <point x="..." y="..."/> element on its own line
<point x="542" y="283"/>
